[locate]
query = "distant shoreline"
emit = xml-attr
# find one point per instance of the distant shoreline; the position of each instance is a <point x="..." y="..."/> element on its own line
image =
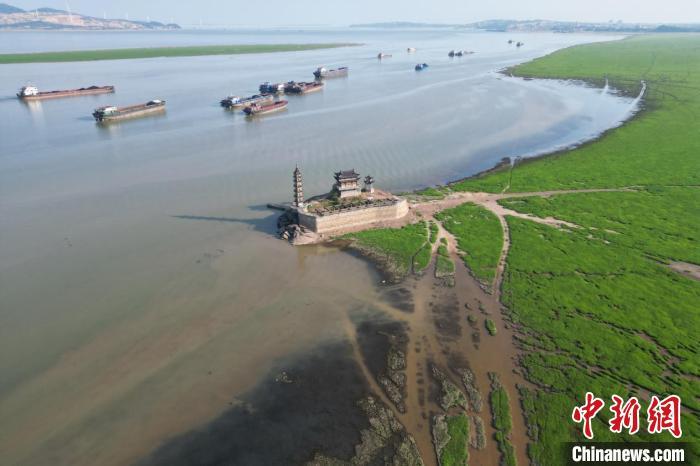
<point x="158" y="52"/>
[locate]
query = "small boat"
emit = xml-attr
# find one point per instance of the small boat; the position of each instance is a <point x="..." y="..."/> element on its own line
<point x="452" y="53"/>
<point x="322" y="72"/>
<point x="519" y="44"/>
<point x="383" y="55"/>
<point x="110" y="113"/>
<point x="234" y="102"/>
<point x="510" y="41"/>
<point x="293" y="87"/>
<point x="411" y="50"/>
<point x="33" y="93"/>
<point x="264" y="109"/>
<point x="421" y="66"/>
<point x="270" y="88"/>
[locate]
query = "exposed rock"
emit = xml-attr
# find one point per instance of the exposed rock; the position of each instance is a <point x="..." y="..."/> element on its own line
<point x="407" y="453"/>
<point x="475" y="399"/>
<point x="477" y="437"/>
<point x="396" y="359"/>
<point x="393" y="391"/>
<point x="441" y="436"/>
<point x="451" y="395"/>
<point x="399" y="378"/>
<point x="385" y="442"/>
<point x="321" y="460"/>
<point x="283" y="377"/>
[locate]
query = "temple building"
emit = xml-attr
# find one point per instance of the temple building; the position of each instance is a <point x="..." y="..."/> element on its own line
<point x="347" y="207"/>
<point x="347" y="184"/>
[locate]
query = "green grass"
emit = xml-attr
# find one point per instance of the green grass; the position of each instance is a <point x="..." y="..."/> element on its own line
<point x="155" y="52"/>
<point x="444" y="266"/>
<point x="456" y="452"/>
<point x="422" y="259"/>
<point x="431" y="192"/>
<point x="490" y="326"/>
<point x="602" y="317"/>
<point x="656" y="148"/>
<point x="596" y="307"/>
<point x="502" y="422"/>
<point x="406" y="248"/>
<point x="433" y="232"/>
<point x="479" y="236"/>
<point x="662" y="222"/>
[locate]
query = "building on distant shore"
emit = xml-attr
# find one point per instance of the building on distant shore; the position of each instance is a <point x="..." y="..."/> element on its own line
<point x="346" y="207"/>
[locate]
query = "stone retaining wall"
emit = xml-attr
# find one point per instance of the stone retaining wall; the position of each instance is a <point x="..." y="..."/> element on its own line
<point x="330" y="223"/>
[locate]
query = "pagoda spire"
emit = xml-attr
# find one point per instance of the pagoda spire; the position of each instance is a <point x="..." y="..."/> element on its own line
<point x="298" y="200"/>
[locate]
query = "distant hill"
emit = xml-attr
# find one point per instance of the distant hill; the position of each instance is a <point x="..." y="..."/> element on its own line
<point x="12" y="17"/>
<point x="5" y="8"/>
<point x="403" y="25"/>
<point x="540" y="25"/>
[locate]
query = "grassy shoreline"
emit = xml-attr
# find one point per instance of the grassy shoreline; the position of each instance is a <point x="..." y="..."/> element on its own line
<point x="158" y="52"/>
<point x="596" y="308"/>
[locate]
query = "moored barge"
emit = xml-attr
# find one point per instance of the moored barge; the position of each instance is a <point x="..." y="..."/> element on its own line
<point x="264" y="109"/>
<point x="33" y="93"/>
<point x="112" y="113"/>
<point x="270" y="88"/>
<point x="235" y="102"/>
<point x="293" y="87"/>
<point x="322" y="72"/>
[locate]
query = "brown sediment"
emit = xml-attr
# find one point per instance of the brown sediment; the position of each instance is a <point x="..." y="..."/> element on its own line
<point x="314" y="408"/>
<point x="444" y="330"/>
<point x="438" y="334"/>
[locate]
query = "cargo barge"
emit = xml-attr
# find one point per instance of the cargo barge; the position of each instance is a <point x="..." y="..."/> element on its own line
<point x="322" y="73"/>
<point x="264" y="109"/>
<point x="235" y="102"/>
<point x="112" y="113"/>
<point x="270" y="88"/>
<point x="33" y="93"/>
<point x="302" y="87"/>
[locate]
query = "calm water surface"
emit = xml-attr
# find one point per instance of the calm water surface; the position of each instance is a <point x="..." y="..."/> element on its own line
<point x="141" y="286"/>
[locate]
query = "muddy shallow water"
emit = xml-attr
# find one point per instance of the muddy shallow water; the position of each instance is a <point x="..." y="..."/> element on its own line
<point x="143" y="295"/>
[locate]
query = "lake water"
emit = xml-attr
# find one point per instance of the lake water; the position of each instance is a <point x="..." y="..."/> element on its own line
<point x="142" y="289"/>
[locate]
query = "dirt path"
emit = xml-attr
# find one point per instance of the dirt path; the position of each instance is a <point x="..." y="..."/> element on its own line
<point x="490" y="202"/>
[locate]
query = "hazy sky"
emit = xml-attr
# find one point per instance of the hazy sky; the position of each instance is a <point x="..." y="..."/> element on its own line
<point x="337" y="12"/>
